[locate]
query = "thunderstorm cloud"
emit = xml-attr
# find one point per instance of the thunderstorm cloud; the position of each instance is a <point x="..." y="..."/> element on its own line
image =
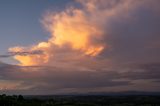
<point x="94" y="46"/>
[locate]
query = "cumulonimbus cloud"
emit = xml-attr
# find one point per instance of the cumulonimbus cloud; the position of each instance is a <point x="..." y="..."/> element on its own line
<point x="81" y="30"/>
<point x="71" y="27"/>
<point x="72" y="57"/>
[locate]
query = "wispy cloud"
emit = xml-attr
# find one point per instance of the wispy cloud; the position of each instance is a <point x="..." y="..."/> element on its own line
<point x="21" y="53"/>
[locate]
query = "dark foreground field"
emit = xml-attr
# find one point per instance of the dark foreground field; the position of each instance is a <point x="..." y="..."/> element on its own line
<point x="134" y="100"/>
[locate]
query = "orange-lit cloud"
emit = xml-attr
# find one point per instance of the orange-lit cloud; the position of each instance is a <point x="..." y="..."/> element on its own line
<point x="82" y="29"/>
<point x="75" y="30"/>
<point x="71" y="27"/>
<point x="33" y="55"/>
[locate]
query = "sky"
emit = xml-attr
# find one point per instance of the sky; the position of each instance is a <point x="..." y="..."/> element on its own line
<point x="79" y="46"/>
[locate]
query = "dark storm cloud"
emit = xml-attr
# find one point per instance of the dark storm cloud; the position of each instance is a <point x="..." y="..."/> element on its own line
<point x="56" y="78"/>
<point x="60" y="77"/>
<point x="135" y="38"/>
<point x="145" y="71"/>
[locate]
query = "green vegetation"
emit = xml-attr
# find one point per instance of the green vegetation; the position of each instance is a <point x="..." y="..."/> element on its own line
<point x="79" y="100"/>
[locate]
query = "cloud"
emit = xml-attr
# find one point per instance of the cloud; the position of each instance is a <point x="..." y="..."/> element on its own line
<point x="78" y="28"/>
<point x="6" y="56"/>
<point x="99" y="46"/>
<point x="95" y="28"/>
<point x="21" y="53"/>
<point x="55" y="79"/>
<point x="71" y="27"/>
<point x="134" y="37"/>
<point x="47" y="79"/>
